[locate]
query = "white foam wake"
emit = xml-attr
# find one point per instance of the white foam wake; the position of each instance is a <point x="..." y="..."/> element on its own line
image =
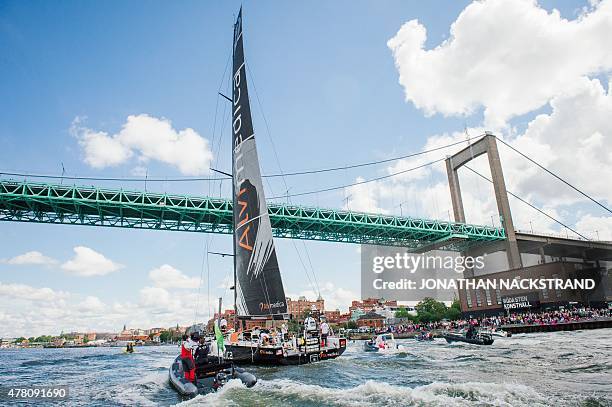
<point x="372" y="393"/>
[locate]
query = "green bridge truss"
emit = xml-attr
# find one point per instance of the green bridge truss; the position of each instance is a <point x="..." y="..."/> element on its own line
<point x="75" y="205"/>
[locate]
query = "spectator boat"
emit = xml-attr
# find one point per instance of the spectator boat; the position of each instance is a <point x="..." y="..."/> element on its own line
<point x="209" y="377"/>
<point x="479" y="338"/>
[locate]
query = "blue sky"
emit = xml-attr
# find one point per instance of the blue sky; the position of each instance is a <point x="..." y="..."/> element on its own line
<point x="328" y="85"/>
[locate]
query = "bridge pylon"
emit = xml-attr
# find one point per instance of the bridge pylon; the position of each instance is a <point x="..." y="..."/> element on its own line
<point x="486" y="145"/>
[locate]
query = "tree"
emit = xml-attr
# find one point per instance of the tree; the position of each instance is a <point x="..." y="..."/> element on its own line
<point x="351" y="325"/>
<point x="402" y="313"/>
<point x="454" y="311"/>
<point x="293" y="326"/>
<point x="165" y="336"/>
<point x="430" y="310"/>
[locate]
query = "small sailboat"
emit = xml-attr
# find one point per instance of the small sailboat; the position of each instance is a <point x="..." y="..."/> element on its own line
<point x="258" y="287"/>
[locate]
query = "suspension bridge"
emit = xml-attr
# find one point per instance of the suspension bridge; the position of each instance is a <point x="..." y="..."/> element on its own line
<point x="24" y="201"/>
<point x="73" y="205"/>
<point x="530" y="254"/>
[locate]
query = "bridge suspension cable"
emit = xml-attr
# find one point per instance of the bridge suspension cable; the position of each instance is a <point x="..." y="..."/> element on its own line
<point x="48" y="176"/>
<point x="529" y="204"/>
<point x="275" y="175"/>
<point x="365" y="164"/>
<point x="556" y="176"/>
<point x="360" y="182"/>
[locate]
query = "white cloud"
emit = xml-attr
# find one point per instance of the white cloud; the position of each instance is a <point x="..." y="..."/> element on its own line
<point x="167" y="276"/>
<point x="26" y="292"/>
<point x="573" y="141"/>
<point x="32" y="311"/>
<point x="87" y="262"/>
<point x="92" y="304"/>
<point x="510" y="57"/>
<point x="596" y="227"/>
<point x="148" y="138"/>
<point x="31" y="257"/>
<point x="362" y="197"/>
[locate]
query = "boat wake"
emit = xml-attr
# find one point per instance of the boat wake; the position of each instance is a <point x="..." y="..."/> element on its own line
<point x="401" y="349"/>
<point x="284" y="392"/>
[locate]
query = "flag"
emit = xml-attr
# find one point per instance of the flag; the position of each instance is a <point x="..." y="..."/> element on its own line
<point x="219" y="337"/>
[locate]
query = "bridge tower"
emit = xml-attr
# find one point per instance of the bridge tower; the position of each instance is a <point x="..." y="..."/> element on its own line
<point x="486" y="145"/>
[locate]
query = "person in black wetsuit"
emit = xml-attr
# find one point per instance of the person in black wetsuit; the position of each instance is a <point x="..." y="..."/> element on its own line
<point x="201" y="353"/>
<point x="471" y="332"/>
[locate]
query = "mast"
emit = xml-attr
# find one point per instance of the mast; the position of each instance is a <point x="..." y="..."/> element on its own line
<point x="236" y="323"/>
<point x="258" y="285"/>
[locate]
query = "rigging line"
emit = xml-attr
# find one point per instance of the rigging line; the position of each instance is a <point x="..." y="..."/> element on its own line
<point x="312" y="269"/>
<point x="556" y="176"/>
<point x="269" y="133"/>
<point x="212" y="143"/>
<point x="204" y="259"/>
<point x="18" y="174"/>
<point x="361" y="182"/>
<point x="224" y="118"/>
<point x="304" y="267"/>
<point x="284" y="179"/>
<point x="214" y="132"/>
<point x="530" y="205"/>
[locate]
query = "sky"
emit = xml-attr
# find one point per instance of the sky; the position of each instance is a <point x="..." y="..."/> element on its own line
<point x="128" y="89"/>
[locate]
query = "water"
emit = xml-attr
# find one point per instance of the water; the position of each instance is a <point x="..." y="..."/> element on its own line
<point x="549" y="369"/>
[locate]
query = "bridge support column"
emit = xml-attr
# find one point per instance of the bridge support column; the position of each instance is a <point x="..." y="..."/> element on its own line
<point x="455" y="191"/>
<point x="486" y="145"/>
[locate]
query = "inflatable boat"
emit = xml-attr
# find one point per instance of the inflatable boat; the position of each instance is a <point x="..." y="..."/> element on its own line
<point x="210" y="377"/>
<point x="499" y="332"/>
<point x="382" y="342"/>
<point x="424" y="337"/>
<point x="477" y="339"/>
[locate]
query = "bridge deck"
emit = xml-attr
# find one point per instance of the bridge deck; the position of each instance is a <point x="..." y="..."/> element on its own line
<point x="48" y="203"/>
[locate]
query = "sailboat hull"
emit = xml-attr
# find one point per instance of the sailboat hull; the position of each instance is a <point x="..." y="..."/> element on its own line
<point x="252" y="354"/>
<point x="246" y="355"/>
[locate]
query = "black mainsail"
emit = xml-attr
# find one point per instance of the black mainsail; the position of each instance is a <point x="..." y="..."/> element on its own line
<point x="259" y="287"/>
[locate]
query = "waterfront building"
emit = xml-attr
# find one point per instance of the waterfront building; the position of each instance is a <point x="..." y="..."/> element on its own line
<point x="371" y="320"/>
<point x="477" y="302"/>
<point x="332" y="316"/>
<point x="297" y="308"/>
<point x="370" y="304"/>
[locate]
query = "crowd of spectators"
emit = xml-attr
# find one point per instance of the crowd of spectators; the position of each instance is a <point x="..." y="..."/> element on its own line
<point x="518" y="318"/>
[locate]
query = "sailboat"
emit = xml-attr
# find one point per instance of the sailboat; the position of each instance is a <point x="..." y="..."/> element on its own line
<point x="258" y="286"/>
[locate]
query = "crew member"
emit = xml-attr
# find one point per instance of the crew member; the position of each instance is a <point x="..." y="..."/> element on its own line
<point x="284" y="331"/>
<point x="471" y="332"/>
<point x="223" y="325"/>
<point x="324" y="332"/>
<point x="187" y="358"/>
<point x="201" y="352"/>
<point x="310" y="324"/>
<point x="264" y="338"/>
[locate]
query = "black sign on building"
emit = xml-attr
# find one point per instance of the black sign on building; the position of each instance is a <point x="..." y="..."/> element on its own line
<point x="521" y="301"/>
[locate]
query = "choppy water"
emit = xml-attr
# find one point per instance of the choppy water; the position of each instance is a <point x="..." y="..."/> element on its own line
<point x="550" y="369"/>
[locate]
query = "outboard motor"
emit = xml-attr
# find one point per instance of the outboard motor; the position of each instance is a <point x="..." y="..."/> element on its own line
<point x="220" y="380"/>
